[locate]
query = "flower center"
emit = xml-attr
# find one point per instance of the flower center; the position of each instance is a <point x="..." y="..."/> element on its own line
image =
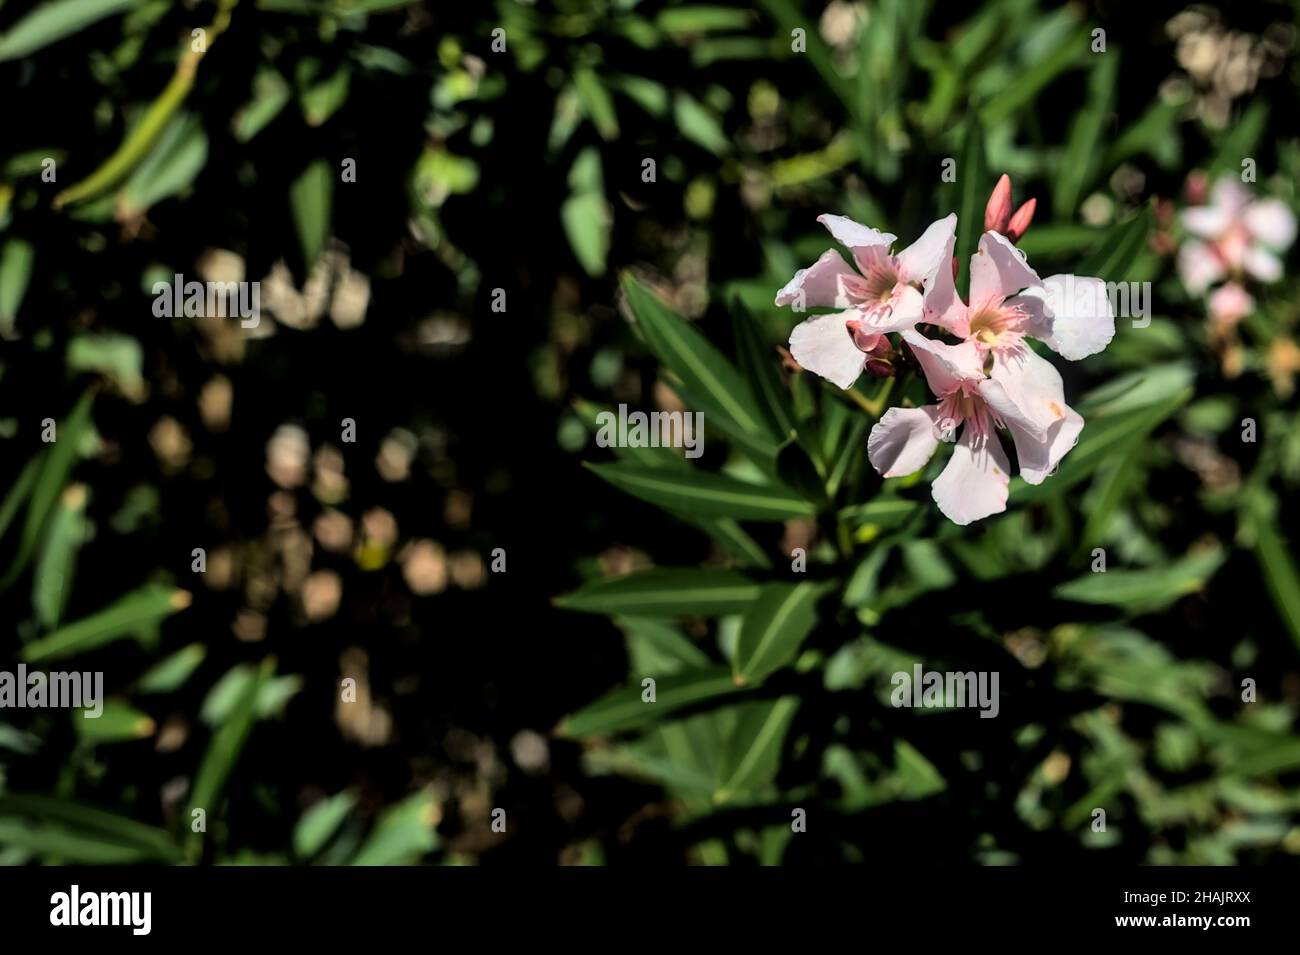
<point x="880" y="276"/>
<point x="997" y="324"/>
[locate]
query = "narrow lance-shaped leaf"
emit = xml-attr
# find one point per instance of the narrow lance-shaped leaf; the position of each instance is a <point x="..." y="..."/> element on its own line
<point x="222" y="754"/>
<point x="754" y="750"/>
<point x="628" y="707"/>
<point x="775" y="626"/>
<point x="666" y="592"/>
<point x="701" y="367"/>
<point x="707" y="494"/>
<point x="138" y="611"/>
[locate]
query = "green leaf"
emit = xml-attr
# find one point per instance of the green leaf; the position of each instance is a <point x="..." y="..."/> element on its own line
<point x="585" y="214"/>
<point x="666" y="592"/>
<point x="51" y="22"/>
<point x="974" y="187"/>
<point x="701" y="367"/>
<point x="19" y="492"/>
<point x="699" y="125"/>
<point x="403" y="833"/>
<point x="1281" y="575"/>
<point x="1115" y="254"/>
<point x="1086" y="132"/>
<point x="223" y="699"/>
<point x="118" y="357"/>
<point x="655" y="648"/>
<point x="139" y="610"/>
<point x="16" y="259"/>
<point x="1147" y="589"/>
<point x="52" y="582"/>
<point x="270" y="95"/>
<point x="1033" y="77"/>
<point x="223" y="752"/>
<point x="701" y="492"/>
<point x="624" y="708"/>
<point x="722" y="529"/>
<point x="320" y="101"/>
<point x="170" y="674"/>
<point x="1239" y="142"/>
<point x="774" y="628"/>
<point x="170" y="167"/>
<point x="58" y="462"/>
<point x="702" y="19"/>
<point x="73" y="832"/>
<point x="759" y="364"/>
<point x="119" y="722"/>
<point x="754" y="749"/>
<point x="320" y="822"/>
<point x="596" y="102"/>
<point x="311" y="197"/>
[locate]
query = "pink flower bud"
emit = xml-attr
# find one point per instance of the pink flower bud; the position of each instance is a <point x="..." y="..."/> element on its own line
<point x="1019" y="223"/>
<point x="998" y="211"/>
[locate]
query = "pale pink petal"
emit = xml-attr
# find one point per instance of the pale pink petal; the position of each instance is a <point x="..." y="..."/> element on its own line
<point x="1198" y="267"/>
<point x="904" y="312"/>
<point x="945" y="366"/>
<point x="823" y="345"/>
<point x="974" y="483"/>
<point x="1033" y="385"/>
<point x="1039" y="452"/>
<point x="1272" y="222"/>
<point x="903" y="440"/>
<point x="1208" y="222"/>
<point x="1070" y="314"/>
<point x="1230" y="303"/>
<point x="1229" y="195"/>
<point x="822" y="283"/>
<point x="998" y="271"/>
<point x="1262" y="264"/>
<point x="923" y="259"/>
<point x="854" y="235"/>
<point x="943" y="306"/>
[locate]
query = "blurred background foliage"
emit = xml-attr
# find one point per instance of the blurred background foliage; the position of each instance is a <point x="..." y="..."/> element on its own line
<point x="499" y="156"/>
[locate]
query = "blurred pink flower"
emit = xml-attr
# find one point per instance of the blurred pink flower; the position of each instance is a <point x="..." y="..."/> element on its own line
<point x="887" y="293"/>
<point x="1234" y="236"/>
<point x="1228" y="305"/>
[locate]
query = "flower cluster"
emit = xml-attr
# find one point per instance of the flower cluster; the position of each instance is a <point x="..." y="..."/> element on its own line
<point x="977" y="359"/>
<point x="1232" y="238"/>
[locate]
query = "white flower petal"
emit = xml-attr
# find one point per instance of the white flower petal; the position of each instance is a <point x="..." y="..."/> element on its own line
<point x="998" y="271"/>
<point x="1070" y="314"/>
<point x="1272" y="222"/>
<point x="921" y="261"/>
<point x="974" y="483"/>
<point x="821" y="284"/>
<point x="854" y="235"/>
<point x="945" y="366"/>
<point x="824" y="346"/>
<point x="903" y="440"/>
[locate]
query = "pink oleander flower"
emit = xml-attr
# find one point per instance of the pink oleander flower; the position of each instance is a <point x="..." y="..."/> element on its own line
<point x="973" y="484"/>
<point x="886" y="293"/>
<point x="994" y="379"/>
<point x="1234" y="236"/>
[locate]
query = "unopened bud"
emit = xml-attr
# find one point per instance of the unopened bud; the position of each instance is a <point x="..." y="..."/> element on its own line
<point x="998" y="211"/>
<point x="1019" y="223"/>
